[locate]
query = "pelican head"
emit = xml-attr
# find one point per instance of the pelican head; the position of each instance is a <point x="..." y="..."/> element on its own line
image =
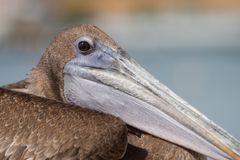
<point x="94" y="72"/>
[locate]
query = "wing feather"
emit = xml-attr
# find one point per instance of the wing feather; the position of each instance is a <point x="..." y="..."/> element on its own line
<point x="37" y="128"/>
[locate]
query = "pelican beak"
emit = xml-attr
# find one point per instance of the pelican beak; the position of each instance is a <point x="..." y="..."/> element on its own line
<point x="128" y="91"/>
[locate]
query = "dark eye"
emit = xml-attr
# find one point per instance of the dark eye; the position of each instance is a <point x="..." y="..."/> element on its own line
<point x="84" y="46"/>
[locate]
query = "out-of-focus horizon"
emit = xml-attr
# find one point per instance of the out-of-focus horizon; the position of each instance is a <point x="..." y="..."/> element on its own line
<point x="32" y="19"/>
<point x="192" y="46"/>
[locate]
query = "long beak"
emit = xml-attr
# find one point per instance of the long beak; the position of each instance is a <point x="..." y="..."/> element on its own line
<point x="145" y="103"/>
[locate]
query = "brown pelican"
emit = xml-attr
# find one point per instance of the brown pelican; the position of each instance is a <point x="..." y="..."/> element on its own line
<point x="85" y="67"/>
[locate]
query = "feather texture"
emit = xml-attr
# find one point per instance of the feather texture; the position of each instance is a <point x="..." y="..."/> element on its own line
<point x="142" y="146"/>
<point x="36" y="128"/>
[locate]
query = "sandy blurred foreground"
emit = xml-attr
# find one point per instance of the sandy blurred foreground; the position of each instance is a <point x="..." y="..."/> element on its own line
<point x="192" y="46"/>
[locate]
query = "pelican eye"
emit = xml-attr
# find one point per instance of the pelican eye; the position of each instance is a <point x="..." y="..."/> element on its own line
<point x="84" y="46"/>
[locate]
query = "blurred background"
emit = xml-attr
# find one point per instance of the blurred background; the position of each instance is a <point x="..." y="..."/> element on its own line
<point x="192" y="46"/>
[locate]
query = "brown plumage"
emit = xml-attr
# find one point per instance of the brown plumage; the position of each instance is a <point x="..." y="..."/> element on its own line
<point x="46" y="80"/>
<point x="148" y="147"/>
<point x="38" y="128"/>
